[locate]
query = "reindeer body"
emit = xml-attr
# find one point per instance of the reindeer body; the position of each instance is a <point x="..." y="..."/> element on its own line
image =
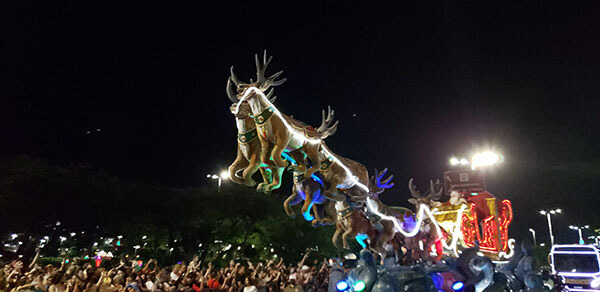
<point x="333" y="168"/>
<point x="428" y="234"/>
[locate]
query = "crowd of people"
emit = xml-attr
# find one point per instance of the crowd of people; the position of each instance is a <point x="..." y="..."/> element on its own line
<point x="80" y="275"/>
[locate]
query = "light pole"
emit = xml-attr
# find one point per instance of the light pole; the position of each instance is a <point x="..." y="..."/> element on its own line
<point x="548" y="213"/>
<point x="223" y="176"/>
<point x="578" y="228"/>
<point x="533" y="234"/>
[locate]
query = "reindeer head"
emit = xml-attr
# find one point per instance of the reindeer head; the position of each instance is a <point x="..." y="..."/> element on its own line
<point x="262" y="82"/>
<point x="434" y="193"/>
<point x="244" y="110"/>
<point x="378" y="184"/>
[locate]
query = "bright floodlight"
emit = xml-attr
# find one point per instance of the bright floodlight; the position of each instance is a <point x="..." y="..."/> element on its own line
<point x="342" y="285"/>
<point x="454" y="161"/>
<point x="558" y="210"/>
<point x="464" y="162"/>
<point x="214" y="176"/>
<point x="572" y="227"/>
<point x="224" y="175"/>
<point x="587" y="226"/>
<point x="552" y="212"/>
<point x="208" y="175"/>
<point x="486" y="158"/>
<point x="457" y="285"/>
<point x="359" y="286"/>
<point x="543" y="212"/>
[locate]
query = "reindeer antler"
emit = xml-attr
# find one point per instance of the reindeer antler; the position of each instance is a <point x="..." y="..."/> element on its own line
<point x="269" y="94"/>
<point x="378" y="184"/>
<point x="434" y="194"/>
<point x="325" y="130"/>
<point x="234" y="77"/>
<point x="413" y="189"/>
<point x="266" y="82"/>
<point x="231" y="94"/>
<point x="233" y="97"/>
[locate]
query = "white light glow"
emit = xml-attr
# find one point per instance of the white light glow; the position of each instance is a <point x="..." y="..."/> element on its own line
<point x="483" y="159"/>
<point x="454" y="161"/>
<point x="464" y="162"/>
<point x="224" y="175"/>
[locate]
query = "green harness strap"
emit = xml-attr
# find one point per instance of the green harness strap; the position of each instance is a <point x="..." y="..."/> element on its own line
<point x="325" y="164"/>
<point x="248" y="136"/>
<point x="264" y="116"/>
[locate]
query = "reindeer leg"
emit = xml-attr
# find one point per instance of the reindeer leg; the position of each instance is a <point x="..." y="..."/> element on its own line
<point x="312" y="151"/>
<point x="250" y="170"/>
<point x="240" y="162"/>
<point x="267" y="176"/>
<point x="265" y="151"/>
<point x="329" y="213"/>
<point x="292" y="200"/>
<point x="308" y="200"/>
<point x="276" y="154"/>
<point x="345" y="237"/>
<point x="317" y="216"/>
<point x="276" y="180"/>
<point x="332" y="193"/>
<point x="336" y="236"/>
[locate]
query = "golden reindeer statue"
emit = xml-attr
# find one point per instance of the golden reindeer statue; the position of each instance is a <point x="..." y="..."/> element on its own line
<point x="277" y="132"/>
<point x="249" y="148"/>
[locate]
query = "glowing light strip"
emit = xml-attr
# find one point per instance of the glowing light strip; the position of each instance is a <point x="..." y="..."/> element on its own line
<point x="575" y="252"/>
<point x="359" y="238"/>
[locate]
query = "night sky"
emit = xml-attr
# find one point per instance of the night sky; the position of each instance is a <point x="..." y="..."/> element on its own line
<point x="139" y="91"/>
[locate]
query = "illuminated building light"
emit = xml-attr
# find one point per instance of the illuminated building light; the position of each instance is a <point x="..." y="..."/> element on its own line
<point x="458" y="285"/>
<point x="341" y="285"/>
<point x="360" y="239"/>
<point x="454" y="161"/>
<point x="359" y="286"/>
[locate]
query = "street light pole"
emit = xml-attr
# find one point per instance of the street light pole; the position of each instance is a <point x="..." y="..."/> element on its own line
<point x="548" y="213"/>
<point x="550" y="229"/>
<point x="579" y="228"/>
<point x="533" y="234"/>
<point x="219" y="178"/>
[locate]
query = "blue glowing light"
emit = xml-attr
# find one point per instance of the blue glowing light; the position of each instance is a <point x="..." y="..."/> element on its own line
<point x="317" y="179"/>
<point x="458" y="285"/>
<point x="288" y="157"/>
<point x="342" y="285"/>
<point x="359" y="286"/>
<point x="307" y="215"/>
<point x="360" y="237"/>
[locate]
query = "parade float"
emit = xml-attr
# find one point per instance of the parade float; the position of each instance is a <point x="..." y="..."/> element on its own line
<point x="457" y="219"/>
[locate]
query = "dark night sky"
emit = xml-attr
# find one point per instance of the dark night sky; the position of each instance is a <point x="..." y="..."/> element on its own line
<point x="411" y="86"/>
